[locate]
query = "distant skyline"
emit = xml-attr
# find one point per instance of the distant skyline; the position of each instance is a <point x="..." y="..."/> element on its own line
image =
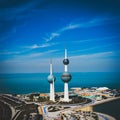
<point x="34" y="31"/>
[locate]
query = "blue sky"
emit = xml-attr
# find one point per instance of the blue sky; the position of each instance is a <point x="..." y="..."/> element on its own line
<point x="33" y="31"/>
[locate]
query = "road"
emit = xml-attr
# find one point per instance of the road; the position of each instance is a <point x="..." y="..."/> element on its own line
<point x="93" y="103"/>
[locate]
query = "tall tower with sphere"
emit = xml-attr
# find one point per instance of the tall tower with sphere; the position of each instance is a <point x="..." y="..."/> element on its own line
<point x="66" y="77"/>
<point x="51" y="80"/>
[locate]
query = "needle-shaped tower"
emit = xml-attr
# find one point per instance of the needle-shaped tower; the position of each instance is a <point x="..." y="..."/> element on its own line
<point x="66" y="77"/>
<point x="51" y="80"/>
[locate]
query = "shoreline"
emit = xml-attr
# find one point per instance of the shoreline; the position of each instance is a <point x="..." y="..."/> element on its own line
<point x="111" y="107"/>
<point x="96" y="105"/>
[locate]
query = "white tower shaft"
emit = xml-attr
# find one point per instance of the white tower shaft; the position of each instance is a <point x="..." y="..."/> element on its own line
<point x="66" y="67"/>
<point x="65" y="53"/>
<point x="51" y="91"/>
<point x="66" y="95"/>
<point x="51" y="67"/>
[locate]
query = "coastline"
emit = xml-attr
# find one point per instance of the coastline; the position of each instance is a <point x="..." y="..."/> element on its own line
<point x="101" y="109"/>
<point x="111" y="108"/>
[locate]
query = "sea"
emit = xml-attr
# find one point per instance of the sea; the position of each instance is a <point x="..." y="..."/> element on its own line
<point x="111" y="108"/>
<point x="25" y="83"/>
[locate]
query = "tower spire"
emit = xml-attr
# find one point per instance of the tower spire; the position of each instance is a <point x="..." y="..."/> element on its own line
<point x="66" y="62"/>
<point x="65" y="53"/>
<point x="51" y="67"/>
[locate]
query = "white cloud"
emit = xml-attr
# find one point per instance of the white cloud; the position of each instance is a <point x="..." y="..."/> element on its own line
<point x="52" y="36"/>
<point x="35" y="46"/>
<point x="60" y="31"/>
<point x="94" y="22"/>
<point x="98" y="39"/>
<point x="41" y="53"/>
<point x="36" y="55"/>
<point x="8" y="53"/>
<point x="103" y="61"/>
<point x="70" y="27"/>
<point x="94" y="55"/>
<point x="96" y="47"/>
<point x="83" y="63"/>
<point x="100" y="21"/>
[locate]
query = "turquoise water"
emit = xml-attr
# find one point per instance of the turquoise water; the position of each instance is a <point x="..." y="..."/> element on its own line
<point x="37" y="82"/>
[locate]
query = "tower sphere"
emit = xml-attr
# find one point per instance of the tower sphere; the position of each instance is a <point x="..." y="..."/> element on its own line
<point x="51" y="78"/>
<point x="66" y="61"/>
<point x="66" y="77"/>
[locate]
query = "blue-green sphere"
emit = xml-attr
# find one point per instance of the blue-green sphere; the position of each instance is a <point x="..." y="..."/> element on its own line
<point x="51" y="78"/>
<point x="66" y="77"/>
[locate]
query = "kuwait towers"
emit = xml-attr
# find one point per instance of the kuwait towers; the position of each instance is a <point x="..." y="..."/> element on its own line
<point x="66" y="77"/>
<point x="51" y="80"/>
